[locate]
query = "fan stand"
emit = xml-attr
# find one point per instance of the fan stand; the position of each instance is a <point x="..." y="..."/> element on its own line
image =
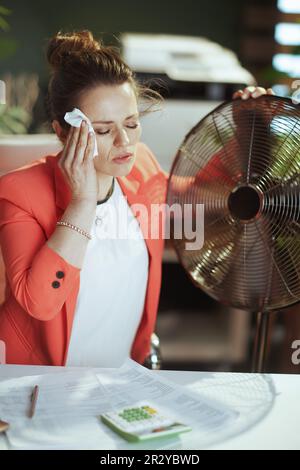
<point x="261" y="342"/>
<point x="245" y="204"/>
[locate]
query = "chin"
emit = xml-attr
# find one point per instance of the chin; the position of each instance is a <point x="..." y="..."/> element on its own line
<point x="123" y="170"/>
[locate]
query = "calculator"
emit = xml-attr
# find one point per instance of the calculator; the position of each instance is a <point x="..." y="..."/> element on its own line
<point x="141" y="422"/>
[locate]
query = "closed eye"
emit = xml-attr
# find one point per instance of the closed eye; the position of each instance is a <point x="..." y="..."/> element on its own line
<point x="107" y="132"/>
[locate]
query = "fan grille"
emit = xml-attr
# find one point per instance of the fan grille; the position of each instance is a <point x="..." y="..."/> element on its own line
<point x="242" y="162"/>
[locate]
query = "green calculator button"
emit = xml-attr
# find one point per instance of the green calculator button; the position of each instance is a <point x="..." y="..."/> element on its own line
<point x="141" y="423"/>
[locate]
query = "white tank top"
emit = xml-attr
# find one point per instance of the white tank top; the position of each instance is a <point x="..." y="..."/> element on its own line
<point x="113" y="284"/>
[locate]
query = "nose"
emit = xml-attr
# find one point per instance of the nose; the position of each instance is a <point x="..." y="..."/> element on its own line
<point x="122" y="138"/>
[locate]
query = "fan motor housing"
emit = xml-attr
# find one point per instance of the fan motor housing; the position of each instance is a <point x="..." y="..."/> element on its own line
<point x="245" y="202"/>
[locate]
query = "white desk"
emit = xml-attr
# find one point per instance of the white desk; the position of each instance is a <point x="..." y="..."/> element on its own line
<point x="273" y="398"/>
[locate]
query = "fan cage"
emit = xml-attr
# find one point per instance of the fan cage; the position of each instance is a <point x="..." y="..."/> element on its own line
<point x="242" y="162"/>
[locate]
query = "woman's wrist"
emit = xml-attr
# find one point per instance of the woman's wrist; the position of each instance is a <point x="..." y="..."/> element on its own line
<point x="65" y="223"/>
<point x="83" y="201"/>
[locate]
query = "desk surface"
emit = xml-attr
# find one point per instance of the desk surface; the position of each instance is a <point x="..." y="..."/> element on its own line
<point x="275" y="398"/>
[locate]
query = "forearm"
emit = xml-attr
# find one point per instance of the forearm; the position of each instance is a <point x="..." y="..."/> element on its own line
<point x="68" y="243"/>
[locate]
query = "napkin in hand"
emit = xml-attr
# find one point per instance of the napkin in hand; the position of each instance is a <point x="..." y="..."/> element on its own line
<point x="74" y="118"/>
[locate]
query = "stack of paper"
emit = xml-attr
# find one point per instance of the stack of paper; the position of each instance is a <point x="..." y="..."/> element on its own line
<point x="70" y="403"/>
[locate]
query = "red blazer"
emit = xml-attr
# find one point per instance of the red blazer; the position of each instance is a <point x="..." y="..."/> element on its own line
<point x="36" y="318"/>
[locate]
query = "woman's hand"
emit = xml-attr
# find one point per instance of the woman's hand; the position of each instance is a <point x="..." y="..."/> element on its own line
<point x="252" y="92"/>
<point x="76" y="163"/>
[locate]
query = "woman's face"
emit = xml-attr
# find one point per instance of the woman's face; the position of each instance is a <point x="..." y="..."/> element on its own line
<point x="113" y="112"/>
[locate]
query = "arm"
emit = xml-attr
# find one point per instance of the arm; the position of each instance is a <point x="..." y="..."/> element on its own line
<point x="33" y="266"/>
<point x="32" y="262"/>
<point x="68" y="243"/>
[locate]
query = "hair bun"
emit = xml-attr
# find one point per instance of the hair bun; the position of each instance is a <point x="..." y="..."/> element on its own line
<point x="70" y="45"/>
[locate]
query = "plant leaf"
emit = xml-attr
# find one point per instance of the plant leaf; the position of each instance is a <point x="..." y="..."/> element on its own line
<point x="14" y="120"/>
<point x="4" y="10"/>
<point x="7" y="47"/>
<point x="4" y="24"/>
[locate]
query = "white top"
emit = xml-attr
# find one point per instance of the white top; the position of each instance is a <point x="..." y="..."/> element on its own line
<point x="113" y="283"/>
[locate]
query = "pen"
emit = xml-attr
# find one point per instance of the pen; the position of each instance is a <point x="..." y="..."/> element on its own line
<point x="34" y="397"/>
<point x="3" y="426"/>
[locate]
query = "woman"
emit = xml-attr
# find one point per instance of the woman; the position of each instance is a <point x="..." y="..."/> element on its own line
<point x="74" y="296"/>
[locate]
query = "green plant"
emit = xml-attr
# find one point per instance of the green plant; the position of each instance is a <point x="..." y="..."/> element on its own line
<point x="13" y="120"/>
<point x="8" y="46"/>
<point x="21" y="94"/>
<point x="3" y="23"/>
<point x="21" y="91"/>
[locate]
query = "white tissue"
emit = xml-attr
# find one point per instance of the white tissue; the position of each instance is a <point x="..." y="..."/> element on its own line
<point x="75" y="117"/>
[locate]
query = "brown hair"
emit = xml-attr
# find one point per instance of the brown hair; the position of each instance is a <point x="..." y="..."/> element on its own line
<point x="78" y="63"/>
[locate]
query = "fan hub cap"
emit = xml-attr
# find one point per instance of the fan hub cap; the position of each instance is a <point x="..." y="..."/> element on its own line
<point x="245" y="202"/>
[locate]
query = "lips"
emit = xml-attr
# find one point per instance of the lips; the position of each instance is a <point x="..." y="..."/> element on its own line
<point x="124" y="155"/>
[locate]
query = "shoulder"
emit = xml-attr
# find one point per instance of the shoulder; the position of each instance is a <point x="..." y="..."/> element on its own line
<point x="27" y="183"/>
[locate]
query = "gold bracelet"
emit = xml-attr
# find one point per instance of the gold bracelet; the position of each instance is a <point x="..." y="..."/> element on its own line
<point x="67" y="224"/>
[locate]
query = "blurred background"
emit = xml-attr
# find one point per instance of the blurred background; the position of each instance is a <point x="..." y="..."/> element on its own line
<point x="196" y="54"/>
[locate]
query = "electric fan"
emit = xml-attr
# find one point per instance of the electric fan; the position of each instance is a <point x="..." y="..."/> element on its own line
<point x="242" y="162"/>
